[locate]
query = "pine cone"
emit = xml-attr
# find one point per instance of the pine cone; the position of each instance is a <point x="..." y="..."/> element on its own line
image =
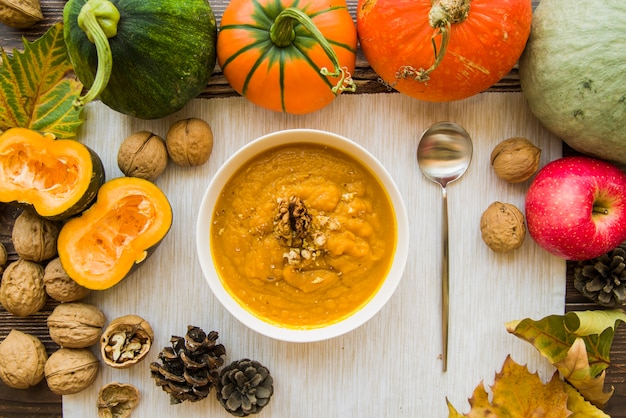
<point x="190" y="366"/>
<point x="603" y="279"/>
<point x="244" y="387"/>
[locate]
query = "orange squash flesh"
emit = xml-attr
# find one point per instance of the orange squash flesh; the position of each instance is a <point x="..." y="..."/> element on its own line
<point x="129" y="219"/>
<point x="58" y="178"/>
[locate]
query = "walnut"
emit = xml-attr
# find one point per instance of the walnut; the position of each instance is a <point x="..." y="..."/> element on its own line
<point x="75" y="324"/>
<point x="126" y="341"/>
<point x="189" y="142"/>
<point x="20" y="14"/>
<point x="71" y="370"/>
<point x="22" y="359"/>
<point x="117" y="400"/>
<point x="60" y="286"/>
<point x="502" y="227"/>
<point x="143" y="154"/>
<point x="292" y="221"/>
<point x="4" y="257"/>
<point x="34" y="238"/>
<point x="515" y="159"/>
<point x="22" y="291"/>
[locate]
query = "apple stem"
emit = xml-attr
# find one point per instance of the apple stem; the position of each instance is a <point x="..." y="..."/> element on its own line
<point x="600" y="210"/>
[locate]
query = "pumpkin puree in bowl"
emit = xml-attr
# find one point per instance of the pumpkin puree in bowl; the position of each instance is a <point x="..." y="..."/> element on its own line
<point x="303" y="236"/>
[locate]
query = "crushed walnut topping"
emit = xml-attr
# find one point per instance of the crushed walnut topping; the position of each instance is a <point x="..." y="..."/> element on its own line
<point x="304" y="235"/>
<point x="292" y="222"/>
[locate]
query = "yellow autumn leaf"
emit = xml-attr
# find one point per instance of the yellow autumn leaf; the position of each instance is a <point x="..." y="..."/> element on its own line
<point x="579" y="406"/>
<point x="517" y="393"/>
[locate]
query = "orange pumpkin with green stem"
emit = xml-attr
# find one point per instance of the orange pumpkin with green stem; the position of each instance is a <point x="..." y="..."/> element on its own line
<point x="443" y="50"/>
<point x="285" y="55"/>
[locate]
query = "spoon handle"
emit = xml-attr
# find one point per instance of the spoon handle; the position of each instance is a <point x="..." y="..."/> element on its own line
<point x="445" y="295"/>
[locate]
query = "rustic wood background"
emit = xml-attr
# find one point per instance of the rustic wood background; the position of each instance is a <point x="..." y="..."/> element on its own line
<point x="40" y="402"/>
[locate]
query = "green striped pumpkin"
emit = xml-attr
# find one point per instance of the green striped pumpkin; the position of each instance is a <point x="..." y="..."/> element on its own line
<point x="150" y="57"/>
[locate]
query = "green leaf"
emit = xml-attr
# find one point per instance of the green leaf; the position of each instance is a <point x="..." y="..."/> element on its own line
<point x="553" y="335"/>
<point x="35" y="89"/>
<point x="593" y="322"/>
<point x="578" y="344"/>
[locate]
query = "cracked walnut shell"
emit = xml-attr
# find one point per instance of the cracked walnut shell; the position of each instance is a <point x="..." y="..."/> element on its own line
<point x="22" y="359"/>
<point x="75" y="324"/>
<point x="189" y="142"/>
<point x="117" y="400"/>
<point x="143" y="154"/>
<point x="126" y="341"/>
<point x="71" y="370"/>
<point x="502" y="227"/>
<point x="22" y="291"/>
<point x="515" y="159"/>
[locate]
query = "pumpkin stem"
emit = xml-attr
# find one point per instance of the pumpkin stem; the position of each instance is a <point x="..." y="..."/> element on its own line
<point x="282" y="34"/>
<point x="443" y="14"/>
<point x="98" y="19"/>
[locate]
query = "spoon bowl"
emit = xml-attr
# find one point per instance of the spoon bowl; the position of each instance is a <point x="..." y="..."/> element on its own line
<point x="444" y="153"/>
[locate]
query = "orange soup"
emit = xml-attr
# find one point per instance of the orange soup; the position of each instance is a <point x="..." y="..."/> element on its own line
<point x="303" y="236"/>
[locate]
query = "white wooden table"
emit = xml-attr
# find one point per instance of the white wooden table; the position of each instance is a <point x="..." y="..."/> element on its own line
<point x="391" y="366"/>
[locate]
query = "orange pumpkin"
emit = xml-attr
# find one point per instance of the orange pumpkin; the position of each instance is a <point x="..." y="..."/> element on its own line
<point x="285" y="55"/>
<point x="443" y="50"/>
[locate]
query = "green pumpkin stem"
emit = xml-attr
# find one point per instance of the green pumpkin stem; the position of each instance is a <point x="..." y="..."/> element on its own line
<point x="442" y="15"/>
<point x="282" y="35"/>
<point x="98" y="19"/>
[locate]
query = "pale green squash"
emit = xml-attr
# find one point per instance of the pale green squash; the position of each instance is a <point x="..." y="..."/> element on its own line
<point x="573" y="74"/>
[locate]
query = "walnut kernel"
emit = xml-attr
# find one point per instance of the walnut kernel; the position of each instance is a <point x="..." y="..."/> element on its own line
<point x="34" y="238"/>
<point x="22" y="291"/>
<point x="126" y="341"/>
<point x="189" y="142"/>
<point x="75" y="324"/>
<point x="60" y="286"/>
<point x="117" y="400"/>
<point x="71" y="370"/>
<point x="143" y="154"/>
<point x="502" y="227"/>
<point x="22" y="359"/>
<point x="20" y="14"/>
<point x="515" y="159"/>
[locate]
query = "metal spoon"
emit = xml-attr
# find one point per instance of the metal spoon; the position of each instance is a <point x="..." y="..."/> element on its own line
<point x="444" y="153"/>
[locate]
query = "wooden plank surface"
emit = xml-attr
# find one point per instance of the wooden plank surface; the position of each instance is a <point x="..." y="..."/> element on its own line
<point x="40" y="402"/>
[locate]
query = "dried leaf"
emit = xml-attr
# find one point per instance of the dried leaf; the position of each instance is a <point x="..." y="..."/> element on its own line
<point x="517" y="393"/>
<point x="35" y="91"/>
<point x="575" y="369"/>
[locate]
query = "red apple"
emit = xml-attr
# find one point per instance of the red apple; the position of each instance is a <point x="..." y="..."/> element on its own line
<point x="576" y="207"/>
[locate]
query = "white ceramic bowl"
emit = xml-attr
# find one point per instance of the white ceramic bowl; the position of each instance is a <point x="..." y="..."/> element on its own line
<point x="204" y="223"/>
